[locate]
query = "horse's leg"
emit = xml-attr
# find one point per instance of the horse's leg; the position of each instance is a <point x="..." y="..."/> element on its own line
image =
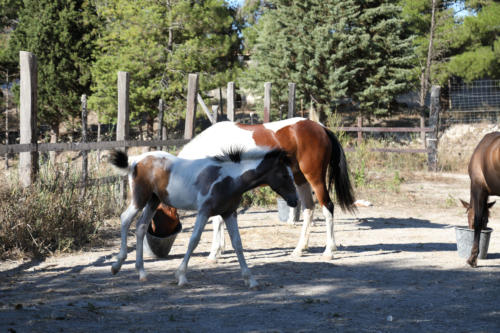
<point x="218" y="241"/>
<point x="199" y="225"/>
<point x="141" y="228"/>
<point x="306" y="198"/>
<point x="232" y="228"/>
<point x="479" y="200"/>
<point x="327" y="208"/>
<point x="126" y="219"/>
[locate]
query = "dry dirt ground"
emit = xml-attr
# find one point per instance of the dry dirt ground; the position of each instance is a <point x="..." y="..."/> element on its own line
<point x="396" y="270"/>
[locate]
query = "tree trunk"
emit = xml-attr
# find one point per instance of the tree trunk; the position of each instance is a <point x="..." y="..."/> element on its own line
<point x="424" y="80"/>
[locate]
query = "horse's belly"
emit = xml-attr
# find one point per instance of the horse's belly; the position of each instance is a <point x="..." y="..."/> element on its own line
<point x="181" y="196"/>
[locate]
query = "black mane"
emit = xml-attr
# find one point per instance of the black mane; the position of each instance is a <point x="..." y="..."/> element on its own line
<point x="235" y="154"/>
<point x="232" y="154"/>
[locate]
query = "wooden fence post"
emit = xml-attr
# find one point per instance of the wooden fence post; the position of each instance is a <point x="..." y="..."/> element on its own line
<point x="230" y="101"/>
<point x="215" y="109"/>
<point x="122" y="124"/>
<point x="360" y="133"/>
<point x="28" y="161"/>
<point x="433" y="123"/>
<point x="7" y="119"/>
<point x="85" y="161"/>
<point x="291" y="100"/>
<point x="267" y="101"/>
<point x="191" y="106"/>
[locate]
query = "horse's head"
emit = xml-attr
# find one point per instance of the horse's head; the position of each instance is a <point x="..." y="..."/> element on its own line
<point x="470" y="211"/>
<point x="279" y="176"/>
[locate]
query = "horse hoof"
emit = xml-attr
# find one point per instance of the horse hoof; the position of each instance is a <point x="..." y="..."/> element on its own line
<point x="212" y="260"/>
<point x="327" y="256"/>
<point x="114" y="270"/>
<point x="143" y="278"/>
<point x="254" y="287"/>
<point x="472" y="263"/>
<point x="183" y="282"/>
<point x="297" y="253"/>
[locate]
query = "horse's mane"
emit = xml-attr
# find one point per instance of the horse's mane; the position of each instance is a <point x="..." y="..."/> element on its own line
<point x="236" y="154"/>
<point x="231" y="154"/>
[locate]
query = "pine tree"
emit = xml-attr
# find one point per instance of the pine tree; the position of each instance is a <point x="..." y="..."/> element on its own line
<point x="477" y="43"/>
<point x="60" y="34"/>
<point x="159" y="43"/>
<point x="334" y="50"/>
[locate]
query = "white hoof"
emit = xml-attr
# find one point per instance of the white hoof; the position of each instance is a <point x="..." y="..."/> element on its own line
<point x="327" y="256"/>
<point x="298" y="253"/>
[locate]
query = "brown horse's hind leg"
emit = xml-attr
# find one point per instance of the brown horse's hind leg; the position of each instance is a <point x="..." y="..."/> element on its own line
<point x="327" y="208"/>
<point x="479" y="200"/>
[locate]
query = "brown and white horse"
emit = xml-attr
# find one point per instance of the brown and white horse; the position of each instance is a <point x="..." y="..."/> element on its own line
<point x="212" y="186"/>
<point x="484" y="173"/>
<point x="318" y="161"/>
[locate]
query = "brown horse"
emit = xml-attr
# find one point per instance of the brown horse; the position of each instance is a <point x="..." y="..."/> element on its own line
<point x="318" y="164"/>
<point x="484" y="173"/>
<point x="165" y="221"/>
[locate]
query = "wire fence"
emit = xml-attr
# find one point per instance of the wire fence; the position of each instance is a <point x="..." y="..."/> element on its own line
<point x="474" y="102"/>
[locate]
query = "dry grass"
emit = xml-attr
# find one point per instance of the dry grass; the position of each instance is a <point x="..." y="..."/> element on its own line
<point x="53" y="215"/>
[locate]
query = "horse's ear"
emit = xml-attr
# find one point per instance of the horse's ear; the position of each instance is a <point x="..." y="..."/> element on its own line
<point x="490" y="204"/>
<point x="465" y="204"/>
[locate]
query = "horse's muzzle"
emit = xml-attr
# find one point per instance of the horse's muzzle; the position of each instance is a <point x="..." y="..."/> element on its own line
<point x="292" y="203"/>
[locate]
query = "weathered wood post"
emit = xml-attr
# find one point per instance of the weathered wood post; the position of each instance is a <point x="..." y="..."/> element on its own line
<point x="7" y="119"/>
<point x="215" y="109"/>
<point x="267" y="101"/>
<point x="123" y="122"/>
<point x="191" y="106"/>
<point x="432" y="139"/>
<point x="360" y="133"/>
<point x="230" y="101"/>
<point x="291" y="100"/>
<point x="85" y="161"/>
<point x="28" y="161"/>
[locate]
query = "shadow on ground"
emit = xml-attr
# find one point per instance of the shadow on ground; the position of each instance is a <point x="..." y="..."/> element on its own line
<point x="294" y="296"/>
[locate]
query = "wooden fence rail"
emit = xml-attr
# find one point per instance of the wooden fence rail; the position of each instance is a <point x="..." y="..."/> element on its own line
<point x="28" y="148"/>
<point x="85" y="146"/>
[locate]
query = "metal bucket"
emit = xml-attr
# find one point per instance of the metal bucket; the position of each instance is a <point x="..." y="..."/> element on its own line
<point x="284" y="211"/>
<point x="159" y="247"/>
<point x="465" y="238"/>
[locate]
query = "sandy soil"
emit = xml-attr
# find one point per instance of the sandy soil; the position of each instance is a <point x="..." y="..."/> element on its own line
<point x="396" y="270"/>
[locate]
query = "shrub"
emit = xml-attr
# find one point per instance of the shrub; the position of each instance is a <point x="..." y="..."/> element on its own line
<point x="53" y="215"/>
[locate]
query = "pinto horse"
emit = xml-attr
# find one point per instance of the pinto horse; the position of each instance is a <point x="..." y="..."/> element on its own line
<point x="484" y="173"/>
<point x="212" y="186"/>
<point x="317" y="158"/>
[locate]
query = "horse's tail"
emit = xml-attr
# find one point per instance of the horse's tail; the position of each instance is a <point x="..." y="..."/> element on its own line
<point x="120" y="160"/>
<point x="338" y="173"/>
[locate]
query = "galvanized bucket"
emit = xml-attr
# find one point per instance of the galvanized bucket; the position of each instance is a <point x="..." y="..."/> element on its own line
<point x="284" y="211"/>
<point x="465" y="238"/>
<point x="159" y="247"/>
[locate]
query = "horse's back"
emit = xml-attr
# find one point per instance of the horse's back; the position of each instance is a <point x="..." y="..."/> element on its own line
<point x="215" y="139"/>
<point x="484" y="166"/>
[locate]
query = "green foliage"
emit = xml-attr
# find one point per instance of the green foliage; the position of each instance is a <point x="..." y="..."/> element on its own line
<point x="60" y="34"/>
<point x="464" y="46"/>
<point x="335" y="50"/>
<point x="478" y="44"/>
<point x="261" y="196"/>
<point x="159" y="45"/>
